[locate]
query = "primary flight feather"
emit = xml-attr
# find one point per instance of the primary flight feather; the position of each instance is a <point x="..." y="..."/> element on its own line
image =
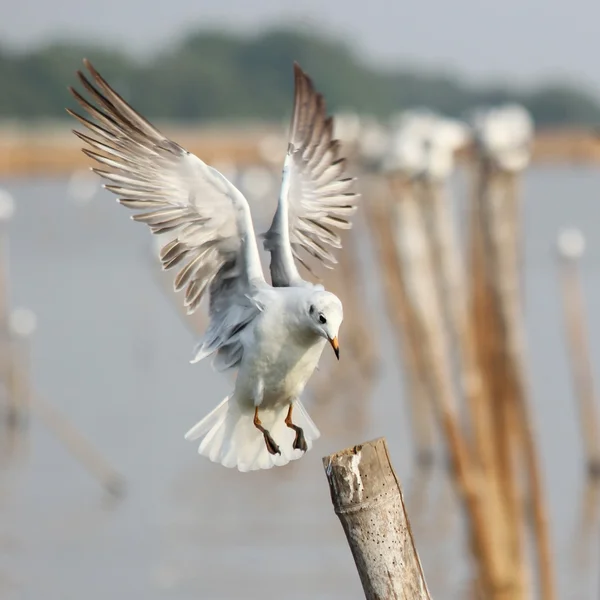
<point x="272" y="334"/>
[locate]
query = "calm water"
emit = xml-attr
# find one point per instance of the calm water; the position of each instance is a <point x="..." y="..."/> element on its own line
<point x="112" y="353"/>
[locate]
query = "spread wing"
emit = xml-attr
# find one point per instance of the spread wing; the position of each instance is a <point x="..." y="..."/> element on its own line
<point x="316" y="196"/>
<point x="213" y="244"/>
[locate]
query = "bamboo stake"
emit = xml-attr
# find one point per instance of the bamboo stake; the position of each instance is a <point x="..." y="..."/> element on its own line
<point x="503" y="139"/>
<point x="504" y="286"/>
<point x="514" y="219"/>
<point x="401" y="314"/>
<point x="468" y="476"/>
<point x="368" y="501"/>
<point x="571" y="245"/>
<point x="500" y="404"/>
<point x="451" y="291"/>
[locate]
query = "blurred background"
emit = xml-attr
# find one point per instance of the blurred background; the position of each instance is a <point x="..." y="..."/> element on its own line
<point x="466" y="280"/>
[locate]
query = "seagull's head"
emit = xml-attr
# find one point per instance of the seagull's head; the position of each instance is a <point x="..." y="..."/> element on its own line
<point x="325" y="315"/>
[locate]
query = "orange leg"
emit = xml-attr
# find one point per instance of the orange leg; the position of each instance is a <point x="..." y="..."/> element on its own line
<point x="272" y="447"/>
<point x="299" y="442"/>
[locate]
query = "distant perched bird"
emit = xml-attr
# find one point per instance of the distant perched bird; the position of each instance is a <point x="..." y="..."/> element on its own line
<point x="504" y="135"/>
<point x="272" y="334"/>
<point x="423" y="144"/>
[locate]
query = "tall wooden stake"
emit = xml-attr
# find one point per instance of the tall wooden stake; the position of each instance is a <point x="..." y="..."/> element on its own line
<point x="367" y="498"/>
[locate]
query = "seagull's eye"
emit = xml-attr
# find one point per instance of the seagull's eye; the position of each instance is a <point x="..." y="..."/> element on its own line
<point x="322" y="319"/>
<point x="311" y="310"/>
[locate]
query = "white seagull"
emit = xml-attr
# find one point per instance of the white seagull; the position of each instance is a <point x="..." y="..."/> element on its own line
<point x="272" y="334"/>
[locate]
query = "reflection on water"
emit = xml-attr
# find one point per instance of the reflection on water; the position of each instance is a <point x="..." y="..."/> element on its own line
<point x="112" y="354"/>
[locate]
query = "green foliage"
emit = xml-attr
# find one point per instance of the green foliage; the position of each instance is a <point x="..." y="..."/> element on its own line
<point x="217" y="75"/>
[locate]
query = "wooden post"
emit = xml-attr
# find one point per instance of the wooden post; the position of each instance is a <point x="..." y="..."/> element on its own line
<point x="401" y="312"/>
<point x="494" y="359"/>
<point x="452" y="297"/>
<point x="498" y="241"/>
<point x="367" y="498"/>
<point x="427" y="325"/>
<point x="571" y="245"/>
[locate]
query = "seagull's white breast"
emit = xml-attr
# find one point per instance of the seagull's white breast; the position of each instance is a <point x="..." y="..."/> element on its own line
<point x="280" y="354"/>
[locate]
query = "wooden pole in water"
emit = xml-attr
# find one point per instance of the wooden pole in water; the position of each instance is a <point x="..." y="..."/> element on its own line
<point x="428" y="325"/>
<point x="452" y="294"/>
<point x="451" y="290"/>
<point x="401" y="311"/>
<point x="571" y="245"/>
<point x="500" y="401"/>
<point x="367" y="498"/>
<point x="504" y="285"/>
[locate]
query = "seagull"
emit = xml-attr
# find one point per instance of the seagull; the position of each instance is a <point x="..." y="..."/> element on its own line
<point x="272" y="334"/>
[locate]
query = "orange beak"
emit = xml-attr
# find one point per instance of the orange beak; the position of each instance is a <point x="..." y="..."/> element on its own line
<point x="335" y="346"/>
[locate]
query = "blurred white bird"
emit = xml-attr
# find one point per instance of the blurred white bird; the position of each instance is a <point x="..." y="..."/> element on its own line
<point x="504" y="135"/>
<point x="272" y="334"/>
<point x="423" y="144"/>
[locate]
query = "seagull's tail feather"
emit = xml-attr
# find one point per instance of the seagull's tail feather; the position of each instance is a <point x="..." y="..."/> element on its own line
<point x="228" y="436"/>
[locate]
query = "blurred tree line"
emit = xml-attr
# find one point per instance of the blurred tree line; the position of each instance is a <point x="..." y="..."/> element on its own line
<point x="214" y="75"/>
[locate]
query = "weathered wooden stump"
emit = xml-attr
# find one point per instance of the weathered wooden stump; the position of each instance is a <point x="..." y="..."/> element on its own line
<point x="368" y="500"/>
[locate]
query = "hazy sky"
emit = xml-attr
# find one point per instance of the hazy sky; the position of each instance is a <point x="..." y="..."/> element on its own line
<point x="522" y="40"/>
